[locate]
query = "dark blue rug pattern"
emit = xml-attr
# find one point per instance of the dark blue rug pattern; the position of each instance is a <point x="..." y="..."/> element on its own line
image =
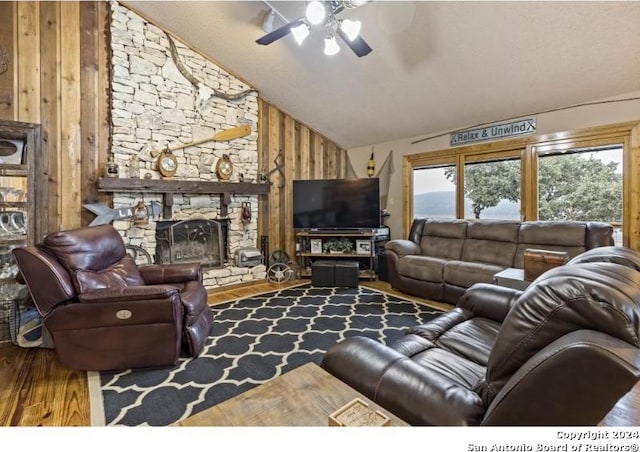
<point x="254" y="340"/>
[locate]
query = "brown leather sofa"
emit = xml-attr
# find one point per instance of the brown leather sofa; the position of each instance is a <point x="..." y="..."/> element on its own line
<point x="103" y="311"/>
<point x="442" y="258"/>
<point x="562" y="352"/>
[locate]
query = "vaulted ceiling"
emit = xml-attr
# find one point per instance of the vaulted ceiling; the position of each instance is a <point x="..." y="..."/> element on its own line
<point x="435" y="66"/>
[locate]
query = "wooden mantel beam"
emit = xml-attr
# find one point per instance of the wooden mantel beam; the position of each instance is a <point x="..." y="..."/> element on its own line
<point x="170" y="186"/>
<point x="110" y="184"/>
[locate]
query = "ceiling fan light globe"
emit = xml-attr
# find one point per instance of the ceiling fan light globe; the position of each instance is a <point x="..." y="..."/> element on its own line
<point x="300" y="33"/>
<point x="267" y="23"/>
<point x="315" y="12"/>
<point x="331" y="46"/>
<point x="351" y="28"/>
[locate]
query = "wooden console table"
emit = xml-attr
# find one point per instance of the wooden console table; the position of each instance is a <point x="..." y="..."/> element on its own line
<point x="170" y="186"/>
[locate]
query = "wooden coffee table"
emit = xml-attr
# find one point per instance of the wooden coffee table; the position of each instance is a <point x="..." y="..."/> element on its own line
<point x="306" y="396"/>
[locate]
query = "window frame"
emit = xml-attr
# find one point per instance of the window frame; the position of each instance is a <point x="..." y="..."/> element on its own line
<point x="527" y="148"/>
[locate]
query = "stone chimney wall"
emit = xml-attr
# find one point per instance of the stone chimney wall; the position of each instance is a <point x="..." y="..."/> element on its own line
<point x="155" y="106"/>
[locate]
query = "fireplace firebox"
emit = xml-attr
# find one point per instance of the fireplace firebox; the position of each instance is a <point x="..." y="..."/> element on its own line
<point x="197" y="240"/>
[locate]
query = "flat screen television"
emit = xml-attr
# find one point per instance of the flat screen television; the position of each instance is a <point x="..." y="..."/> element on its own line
<point x="336" y="204"/>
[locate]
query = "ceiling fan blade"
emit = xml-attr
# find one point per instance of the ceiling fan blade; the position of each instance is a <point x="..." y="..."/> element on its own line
<point x="358" y="45"/>
<point x="278" y="33"/>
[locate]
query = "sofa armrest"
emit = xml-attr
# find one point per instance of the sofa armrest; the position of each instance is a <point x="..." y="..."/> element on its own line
<point x="170" y="273"/>
<point x="402" y="247"/>
<point x="590" y="372"/>
<point x="130" y="293"/>
<point x="410" y="391"/>
<point x="489" y="300"/>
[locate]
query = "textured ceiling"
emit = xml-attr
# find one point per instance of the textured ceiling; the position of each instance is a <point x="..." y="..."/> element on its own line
<point x="435" y="66"/>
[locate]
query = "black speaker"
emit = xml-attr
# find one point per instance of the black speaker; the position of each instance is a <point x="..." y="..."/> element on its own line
<point x="383" y="272"/>
<point x="264" y="248"/>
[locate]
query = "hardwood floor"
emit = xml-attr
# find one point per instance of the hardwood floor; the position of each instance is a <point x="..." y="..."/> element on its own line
<point x="37" y="391"/>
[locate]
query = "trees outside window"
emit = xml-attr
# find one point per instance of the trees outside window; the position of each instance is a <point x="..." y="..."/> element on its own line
<point x="584" y="185"/>
<point x="491" y="187"/>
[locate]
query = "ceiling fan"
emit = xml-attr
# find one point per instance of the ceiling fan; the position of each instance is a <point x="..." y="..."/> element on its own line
<point x="323" y="14"/>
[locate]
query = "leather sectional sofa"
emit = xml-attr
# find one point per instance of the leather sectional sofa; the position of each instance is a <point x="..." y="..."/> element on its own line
<point x="442" y="258"/>
<point x="563" y="352"/>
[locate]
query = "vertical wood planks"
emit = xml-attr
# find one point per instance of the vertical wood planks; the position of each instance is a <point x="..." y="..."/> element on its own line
<point x="275" y="231"/>
<point x="263" y="143"/>
<point x="70" y="130"/>
<point x="89" y="105"/>
<point x="290" y="172"/>
<point x="306" y="155"/>
<point x="6" y="45"/>
<point x="28" y="62"/>
<point x="50" y="103"/>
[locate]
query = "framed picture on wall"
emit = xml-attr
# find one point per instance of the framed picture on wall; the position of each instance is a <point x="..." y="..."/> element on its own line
<point x="363" y="247"/>
<point x="316" y="246"/>
<point x="11" y="151"/>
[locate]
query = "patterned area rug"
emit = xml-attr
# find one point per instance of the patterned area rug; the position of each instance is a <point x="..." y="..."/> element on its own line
<point x="253" y="340"/>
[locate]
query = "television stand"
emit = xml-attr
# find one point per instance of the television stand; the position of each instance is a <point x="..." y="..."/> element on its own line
<point x="313" y="245"/>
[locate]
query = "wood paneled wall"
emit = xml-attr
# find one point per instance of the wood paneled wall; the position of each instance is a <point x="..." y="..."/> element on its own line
<point x="301" y="153"/>
<point x="59" y="77"/>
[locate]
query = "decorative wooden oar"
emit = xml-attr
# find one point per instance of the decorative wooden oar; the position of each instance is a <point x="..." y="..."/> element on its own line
<point x="223" y="135"/>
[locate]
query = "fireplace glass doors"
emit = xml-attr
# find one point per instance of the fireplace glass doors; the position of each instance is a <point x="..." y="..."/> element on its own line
<point x="189" y="241"/>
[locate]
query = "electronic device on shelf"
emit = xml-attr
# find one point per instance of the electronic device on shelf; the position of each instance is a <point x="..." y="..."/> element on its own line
<point x="347" y="205"/>
<point x="383" y="233"/>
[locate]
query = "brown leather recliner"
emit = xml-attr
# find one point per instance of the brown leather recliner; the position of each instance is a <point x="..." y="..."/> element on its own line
<point x="106" y="313"/>
<point x="563" y="352"/>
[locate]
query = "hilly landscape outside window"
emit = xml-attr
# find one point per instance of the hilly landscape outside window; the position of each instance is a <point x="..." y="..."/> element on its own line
<point x="434" y="193"/>
<point x="582" y="185"/>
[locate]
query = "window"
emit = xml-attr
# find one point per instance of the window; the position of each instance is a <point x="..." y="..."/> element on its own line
<point x="582" y="185"/>
<point x="434" y="192"/>
<point x="585" y="175"/>
<point x="492" y="189"/>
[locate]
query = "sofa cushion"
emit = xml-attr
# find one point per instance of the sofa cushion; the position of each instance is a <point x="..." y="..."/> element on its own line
<point x="93" y="248"/>
<point x="443" y="238"/>
<point x="122" y="274"/>
<point x="489" y="251"/>
<point x="567" y="236"/>
<point x="496" y="230"/>
<point x="491" y="241"/>
<point x="472" y="339"/>
<point x="466" y="274"/>
<point x="562" y="233"/>
<point x="452" y="367"/>
<point x="424" y="268"/>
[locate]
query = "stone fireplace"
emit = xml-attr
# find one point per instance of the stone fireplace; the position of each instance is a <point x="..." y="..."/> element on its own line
<point x="153" y="106"/>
